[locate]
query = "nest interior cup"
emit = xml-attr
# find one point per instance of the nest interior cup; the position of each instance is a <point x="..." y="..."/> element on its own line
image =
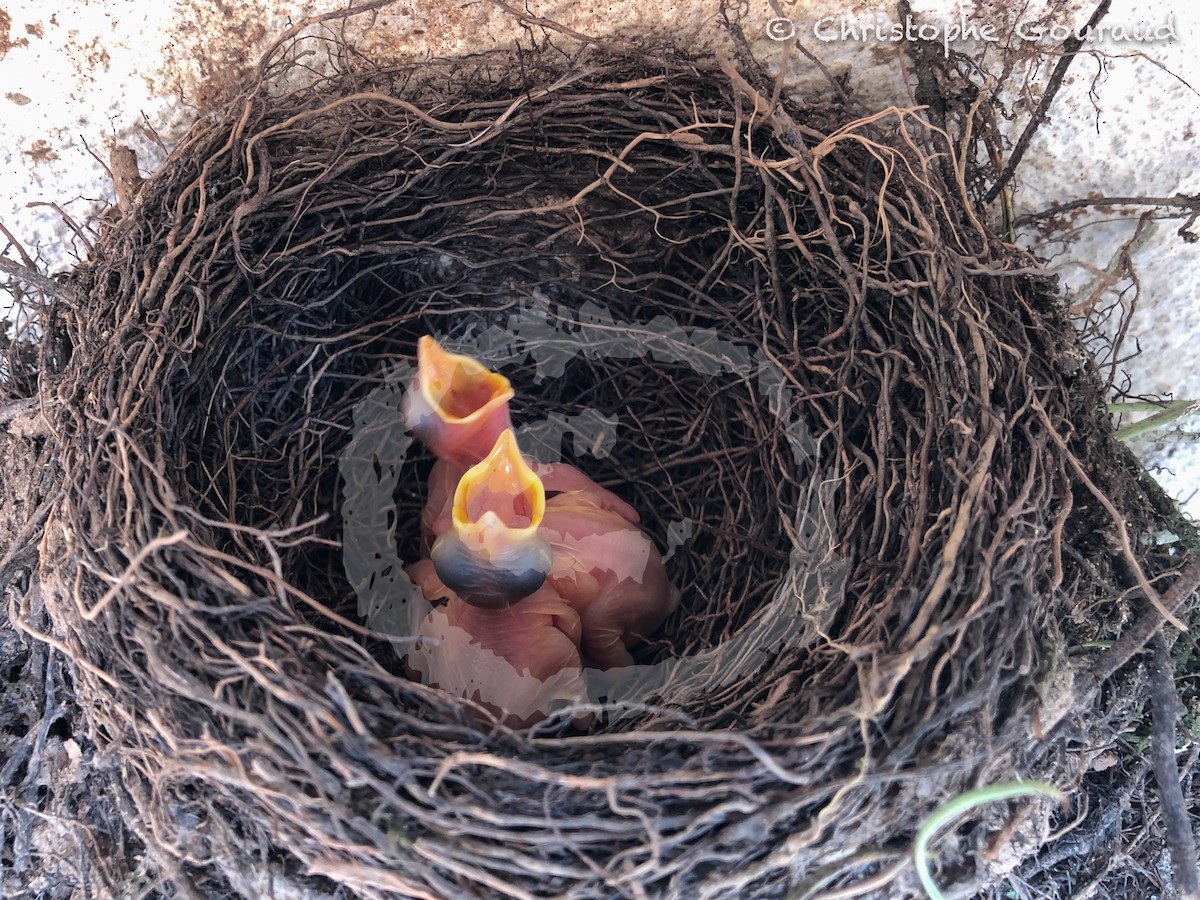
<point x="268" y="279"/>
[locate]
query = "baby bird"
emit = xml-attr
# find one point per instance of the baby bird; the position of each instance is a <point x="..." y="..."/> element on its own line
<point x="457" y="408"/>
<point x="505" y="638"/>
<point x="506" y="543"/>
<point x="545" y="571"/>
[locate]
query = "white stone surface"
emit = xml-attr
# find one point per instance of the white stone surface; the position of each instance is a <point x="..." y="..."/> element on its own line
<point x="77" y="75"/>
<point x="1127" y="124"/>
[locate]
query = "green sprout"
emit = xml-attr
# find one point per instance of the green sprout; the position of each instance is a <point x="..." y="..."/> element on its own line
<point x="1164" y="414"/>
<point x="956" y="807"/>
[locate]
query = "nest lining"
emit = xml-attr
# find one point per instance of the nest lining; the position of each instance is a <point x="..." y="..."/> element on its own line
<point x="286" y="257"/>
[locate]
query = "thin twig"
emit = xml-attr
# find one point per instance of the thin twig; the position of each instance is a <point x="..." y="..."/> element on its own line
<point x="47" y="286"/>
<point x="1189" y="202"/>
<point x="20" y="248"/>
<point x="1165" y="700"/>
<point x="1137" y="635"/>
<point x="1070" y="47"/>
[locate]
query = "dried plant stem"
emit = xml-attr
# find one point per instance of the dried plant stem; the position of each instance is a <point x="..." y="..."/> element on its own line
<point x="1176" y="817"/>
<point x="47" y="286"/>
<point x="1188" y="202"/>
<point x="1071" y="47"/>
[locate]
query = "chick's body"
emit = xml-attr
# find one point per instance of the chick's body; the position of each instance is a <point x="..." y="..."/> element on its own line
<point x="604" y="566"/>
<point x="610" y="573"/>
<point x="518" y="661"/>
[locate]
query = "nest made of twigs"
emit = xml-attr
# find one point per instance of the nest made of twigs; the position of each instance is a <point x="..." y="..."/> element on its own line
<point x="940" y="537"/>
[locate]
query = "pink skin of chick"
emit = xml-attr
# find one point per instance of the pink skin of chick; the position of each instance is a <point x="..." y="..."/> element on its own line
<point x="610" y="572"/>
<point x="518" y="661"/>
<point x="601" y="563"/>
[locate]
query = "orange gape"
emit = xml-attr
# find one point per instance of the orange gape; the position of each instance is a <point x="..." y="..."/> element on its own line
<point x="544" y="571"/>
<point x="456" y="407"/>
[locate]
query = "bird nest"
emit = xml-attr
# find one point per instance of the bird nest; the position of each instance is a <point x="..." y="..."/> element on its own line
<point x="854" y="420"/>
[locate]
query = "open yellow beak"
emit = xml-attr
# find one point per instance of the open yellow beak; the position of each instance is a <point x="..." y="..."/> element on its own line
<point x="457" y="406"/>
<point x="491" y="555"/>
<point x="500" y="493"/>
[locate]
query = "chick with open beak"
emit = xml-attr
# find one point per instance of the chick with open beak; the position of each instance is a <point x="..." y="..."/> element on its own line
<point x="544" y="570"/>
<point x="458" y="408"/>
<point x="504" y="639"/>
<point x="491" y="555"/>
